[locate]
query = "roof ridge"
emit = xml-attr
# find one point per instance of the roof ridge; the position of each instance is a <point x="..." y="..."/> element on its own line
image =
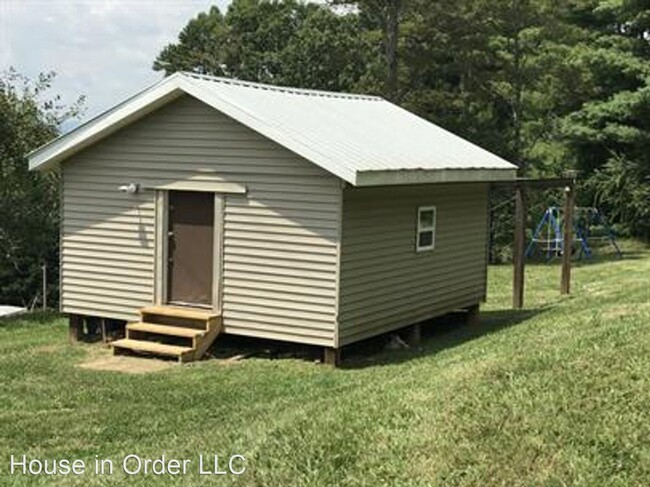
<point x="281" y="89"/>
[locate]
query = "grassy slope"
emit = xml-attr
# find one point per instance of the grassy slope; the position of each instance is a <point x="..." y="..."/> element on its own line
<point x="557" y="394"/>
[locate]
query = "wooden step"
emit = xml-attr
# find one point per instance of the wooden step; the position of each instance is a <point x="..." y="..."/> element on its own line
<point x="176" y="331"/>
<point x="183" y="354"/>
<point x="176" y="312"/>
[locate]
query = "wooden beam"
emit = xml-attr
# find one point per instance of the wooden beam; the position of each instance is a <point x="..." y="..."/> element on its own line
<point x="415" y="336"/>
<point x="44" y="272"/>
<point x="473" y="315"/>
<point x="332" y="356"/>
<point x="569" y="203"/>
<point x="518" y="257"/>
<point x="102" y="322"/>
<point x="76" y="324"/>
<point x="543" y="183"/>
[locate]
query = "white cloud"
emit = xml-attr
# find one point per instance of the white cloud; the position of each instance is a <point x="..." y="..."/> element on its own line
<point x="103" y="49"/>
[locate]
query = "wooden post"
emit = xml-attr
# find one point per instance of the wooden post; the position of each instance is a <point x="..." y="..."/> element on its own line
<point x="518" y="257"/>
<point x="567" y="247"/>
<point x="415" y="336"/>
<point x="104" y="333"/>
<point x="76" y="324"/>
<point x="44" y="269"/>
<point x="473" y="315"/>
<point x="332" y="356"/>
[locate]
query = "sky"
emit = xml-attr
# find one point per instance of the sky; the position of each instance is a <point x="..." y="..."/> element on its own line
<point x="103" y="49"/>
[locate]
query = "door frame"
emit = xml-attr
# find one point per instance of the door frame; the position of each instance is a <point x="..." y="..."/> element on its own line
<point x="161" y="253"/>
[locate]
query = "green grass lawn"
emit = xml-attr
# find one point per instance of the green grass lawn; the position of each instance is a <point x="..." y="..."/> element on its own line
<point x="556" y="394"/>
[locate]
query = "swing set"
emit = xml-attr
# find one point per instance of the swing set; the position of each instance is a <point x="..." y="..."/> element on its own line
<point x="590" y="228"/>
<point x="565" y="232"/>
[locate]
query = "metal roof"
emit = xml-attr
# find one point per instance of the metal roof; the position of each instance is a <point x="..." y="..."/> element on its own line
<point x="364" y="140"/>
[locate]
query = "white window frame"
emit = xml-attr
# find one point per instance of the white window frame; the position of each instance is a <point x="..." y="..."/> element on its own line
<point x="422" y="229"/>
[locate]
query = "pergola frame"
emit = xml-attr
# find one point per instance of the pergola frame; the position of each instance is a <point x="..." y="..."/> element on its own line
<point x="521" y="187"/>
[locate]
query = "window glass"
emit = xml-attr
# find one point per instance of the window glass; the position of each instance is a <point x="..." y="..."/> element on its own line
<point x="426" y="235"/>
<point x="425" y="239"/>
<point x="426" y="219"/>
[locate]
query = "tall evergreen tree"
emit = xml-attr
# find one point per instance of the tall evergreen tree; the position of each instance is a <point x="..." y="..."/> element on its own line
<point x="609" y="134"/>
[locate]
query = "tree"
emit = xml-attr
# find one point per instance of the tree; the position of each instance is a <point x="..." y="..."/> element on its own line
<point x="284" y="43"/>
<point x="260" y="30"/>
<point x="326" y="53"/>
<point x="526" y="45"/>
<point x="446" y="69"/>
<point x="388" y="15"/>
<point x="29" y="201"/>
<point x="608" y="135"/>
<point x="202" y="47"/>
<point x="385" y="17"/>
<point x="622" y="188"/>
<point x="493" y="71"/>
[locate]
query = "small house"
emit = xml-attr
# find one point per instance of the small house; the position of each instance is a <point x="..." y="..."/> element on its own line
<point x="205" y="205"/>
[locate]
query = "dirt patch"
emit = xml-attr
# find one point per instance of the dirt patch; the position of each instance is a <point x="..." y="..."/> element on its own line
<point x="128" y="365"/>
<point x="48" y="348"/>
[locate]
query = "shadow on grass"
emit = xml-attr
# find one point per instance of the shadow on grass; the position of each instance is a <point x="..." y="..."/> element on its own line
<point x="232" y="348"/>
<point x="439" y="334"/>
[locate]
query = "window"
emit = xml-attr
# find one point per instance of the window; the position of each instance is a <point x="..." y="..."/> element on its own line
<point x="426" y="237"/>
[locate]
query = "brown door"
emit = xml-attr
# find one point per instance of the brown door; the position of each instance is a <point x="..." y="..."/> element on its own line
<point x="190" y="247"/>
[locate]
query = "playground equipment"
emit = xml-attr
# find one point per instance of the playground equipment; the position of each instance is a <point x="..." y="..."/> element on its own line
<point x="589" y="227"/>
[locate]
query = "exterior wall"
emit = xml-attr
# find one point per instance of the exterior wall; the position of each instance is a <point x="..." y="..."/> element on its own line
<point x="385" y="284"/>
<point x="280" y="254"/>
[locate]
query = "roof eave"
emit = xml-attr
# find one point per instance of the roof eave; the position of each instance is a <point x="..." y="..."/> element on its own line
<point x="429" y="176"/>
<point x="49" y="155"/>
<point x="172" y="87"/>
<point x="154" y="97"/>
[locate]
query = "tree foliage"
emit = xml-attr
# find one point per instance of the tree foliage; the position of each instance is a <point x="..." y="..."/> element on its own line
<point x="277" y="42"/>
<point x="29" y="201"/>
<point x="607" y="135"/>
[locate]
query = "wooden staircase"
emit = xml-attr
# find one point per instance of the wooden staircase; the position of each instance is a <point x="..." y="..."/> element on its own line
<point x="181" y="333"/>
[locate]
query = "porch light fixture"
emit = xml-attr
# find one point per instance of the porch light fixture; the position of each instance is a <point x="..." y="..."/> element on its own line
<point x="130" y="188"/>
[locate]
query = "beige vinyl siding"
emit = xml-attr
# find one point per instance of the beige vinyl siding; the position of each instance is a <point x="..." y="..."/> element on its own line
<point x="280" y="239"/>
<point x="385" y="284"/>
